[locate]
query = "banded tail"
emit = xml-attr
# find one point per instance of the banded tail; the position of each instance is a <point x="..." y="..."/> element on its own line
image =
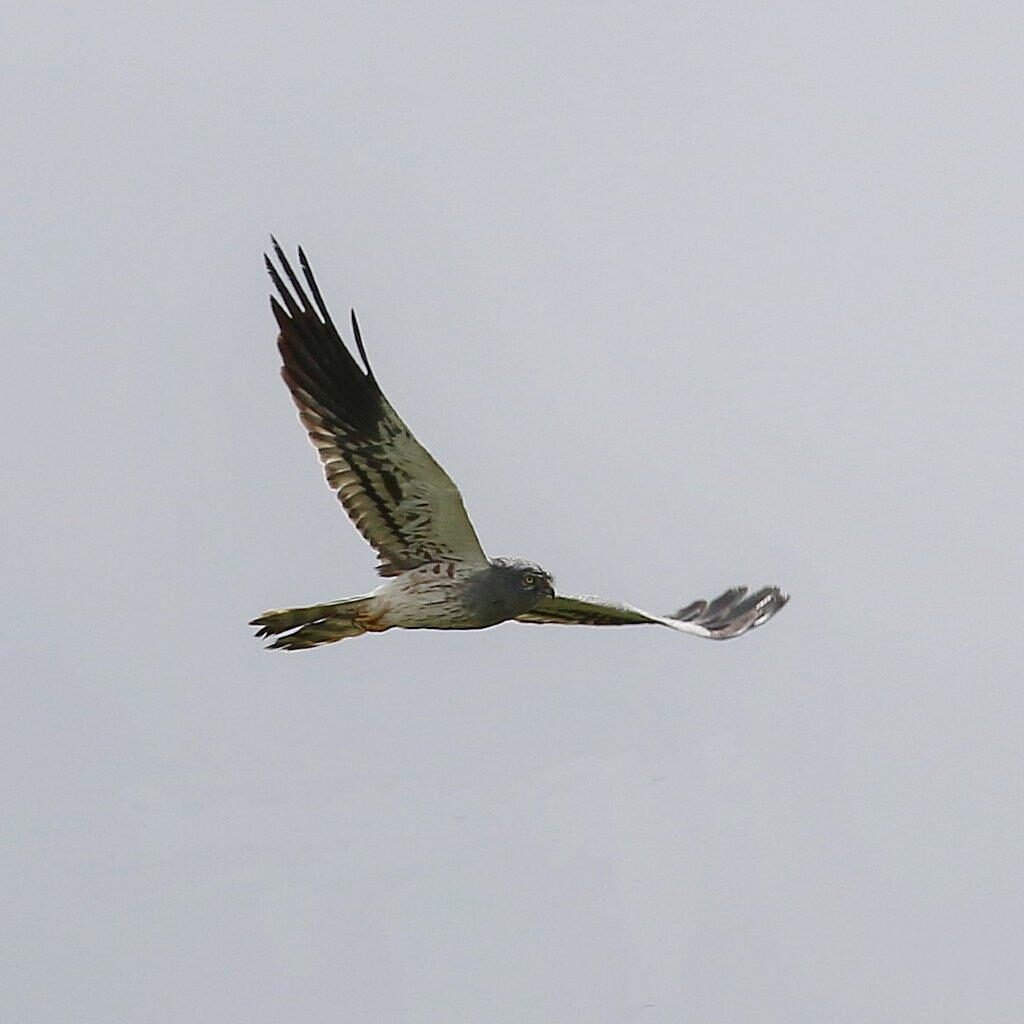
<point x="316" y="625"/>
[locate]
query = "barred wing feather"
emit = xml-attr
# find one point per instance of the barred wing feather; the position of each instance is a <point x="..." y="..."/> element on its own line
<point x="402" y="502"/>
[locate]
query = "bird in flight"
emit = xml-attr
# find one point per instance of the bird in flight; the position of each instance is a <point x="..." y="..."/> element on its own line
<point x="436" y="574"/>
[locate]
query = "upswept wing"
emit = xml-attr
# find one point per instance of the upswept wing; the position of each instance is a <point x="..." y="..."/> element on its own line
<point x="402" y="502"/>
<point x="728" y="615"/>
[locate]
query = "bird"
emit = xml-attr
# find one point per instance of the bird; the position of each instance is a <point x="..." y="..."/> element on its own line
<point x="435" y="572"/>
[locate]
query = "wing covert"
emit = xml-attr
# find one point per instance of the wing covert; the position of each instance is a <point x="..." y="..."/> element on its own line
<point x="399" y="498"/>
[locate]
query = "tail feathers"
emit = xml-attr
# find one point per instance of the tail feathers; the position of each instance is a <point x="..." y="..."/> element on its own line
<point x="312" y="626"/>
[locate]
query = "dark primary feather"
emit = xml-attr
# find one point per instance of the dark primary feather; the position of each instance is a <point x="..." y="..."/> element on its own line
<point x="315" y="356"/>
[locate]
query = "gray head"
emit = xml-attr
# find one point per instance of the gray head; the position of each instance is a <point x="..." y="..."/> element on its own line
<point x="507" y="588"/>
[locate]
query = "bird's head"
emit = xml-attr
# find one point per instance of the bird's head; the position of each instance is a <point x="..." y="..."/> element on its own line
<point x="523" y="577"/>
<point x="510" y="586"/>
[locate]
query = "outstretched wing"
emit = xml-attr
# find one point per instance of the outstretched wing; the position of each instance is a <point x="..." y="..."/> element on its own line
<point x="400" y="499"/>
<point x="728" y="615"/>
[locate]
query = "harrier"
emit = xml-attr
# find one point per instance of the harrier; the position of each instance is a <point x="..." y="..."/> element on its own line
<point x="436" y="575"/>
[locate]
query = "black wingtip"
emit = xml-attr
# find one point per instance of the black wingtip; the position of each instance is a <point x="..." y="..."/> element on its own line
<point x="314" y="288"/>
<point x="277" y="251"/>
<point x="280" y="315"/>
<point x="359" y="345"/>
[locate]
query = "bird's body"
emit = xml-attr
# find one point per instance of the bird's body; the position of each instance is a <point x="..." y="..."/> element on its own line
<point x="453" y="595"/>
<point x="422" y="598"/>
<point x="436" y="574"/>
<point x="437" y="595"/>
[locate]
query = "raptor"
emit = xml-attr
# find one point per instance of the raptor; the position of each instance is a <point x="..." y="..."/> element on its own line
<point x="436" y="574"/>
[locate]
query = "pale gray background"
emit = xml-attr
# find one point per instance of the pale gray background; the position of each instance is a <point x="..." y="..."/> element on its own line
<point x="682" y="297"/>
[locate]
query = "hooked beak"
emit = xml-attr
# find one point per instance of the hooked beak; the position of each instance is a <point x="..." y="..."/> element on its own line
<point x="548" y="588"/>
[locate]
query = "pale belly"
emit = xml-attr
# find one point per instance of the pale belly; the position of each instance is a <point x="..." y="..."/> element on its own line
<point x="423" y="598"/>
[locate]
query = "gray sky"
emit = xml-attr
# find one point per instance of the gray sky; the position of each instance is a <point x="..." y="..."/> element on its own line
<point x="681" y="299"/>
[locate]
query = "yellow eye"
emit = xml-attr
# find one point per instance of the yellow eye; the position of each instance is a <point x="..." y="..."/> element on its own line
<point x="529" y="579"/>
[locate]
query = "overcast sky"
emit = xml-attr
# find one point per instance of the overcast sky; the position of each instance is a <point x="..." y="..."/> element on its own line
<point x="682" y="297"/>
